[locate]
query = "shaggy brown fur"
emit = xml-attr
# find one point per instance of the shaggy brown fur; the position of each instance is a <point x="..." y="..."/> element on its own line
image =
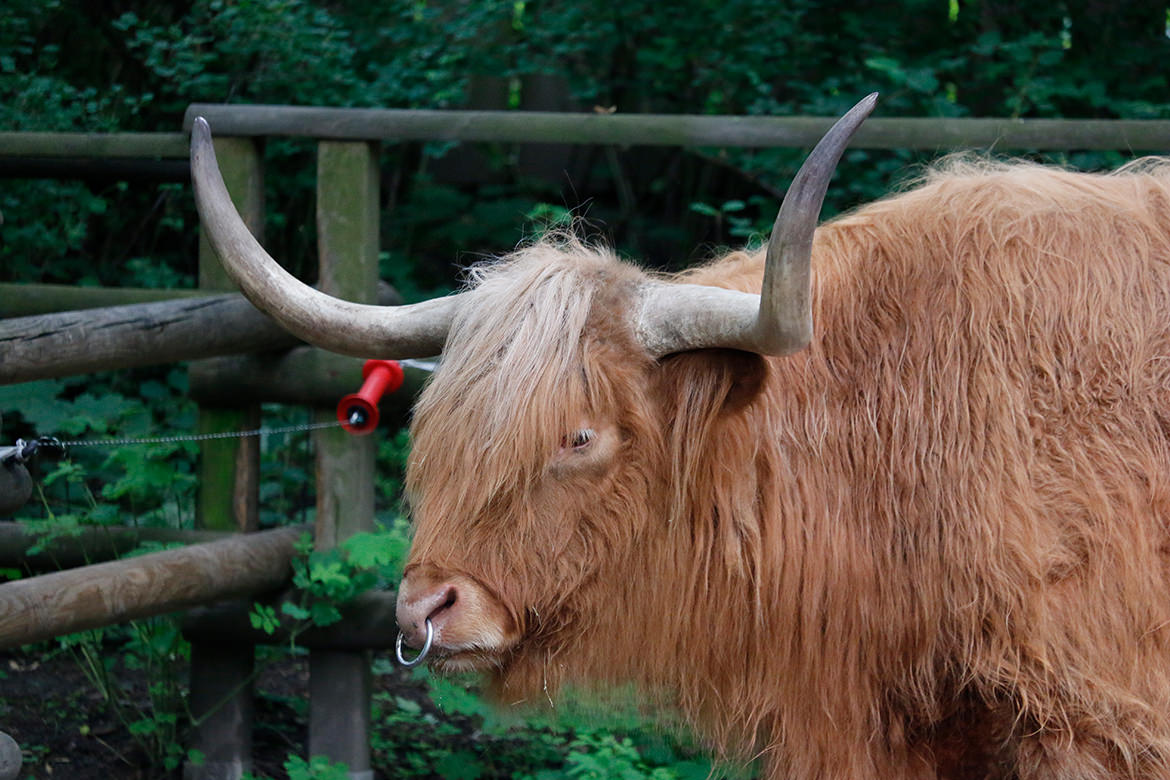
<point x="933" y="544"/>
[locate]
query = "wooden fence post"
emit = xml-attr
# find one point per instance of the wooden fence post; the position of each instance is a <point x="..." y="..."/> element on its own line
<point x="221" y="674"/>
<point x="347" y="238"/>
<point x="228" y="495"/>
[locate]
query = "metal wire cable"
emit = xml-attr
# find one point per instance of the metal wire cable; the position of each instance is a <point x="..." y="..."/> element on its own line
<point x="20" y="451"/>
<point x="200" y="436"/>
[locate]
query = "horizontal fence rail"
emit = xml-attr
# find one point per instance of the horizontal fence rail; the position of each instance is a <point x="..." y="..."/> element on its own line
<point x="20" y="150"/>
<point x="182" y="326"/>
<point x="105" y="156"/>
<point x="79" y="599"/>
<point x="94" y="145"/>
<point x="86" y="545"/>
<point x="21" y="300"/>
<point x="676" y="130"/>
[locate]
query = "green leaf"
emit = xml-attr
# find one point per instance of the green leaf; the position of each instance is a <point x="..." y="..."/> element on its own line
<point x="263" y="618"/>
<point x="367" y="550"/>
<point x="328" y="573"/>
<point x="459" y="765"/>
<point x="144" y="726"/>
<point x="316" y="768"/>
<point x="407" y="706"/>
<point x="324" y="613"/>
<point x="451" y="696"/>
<point x="884" y="64"/>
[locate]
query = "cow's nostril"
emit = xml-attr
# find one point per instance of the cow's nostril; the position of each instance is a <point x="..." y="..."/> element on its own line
<point x="458" y="612"/>
<point x="448" y="601"/>
<point x="439" y="605"/>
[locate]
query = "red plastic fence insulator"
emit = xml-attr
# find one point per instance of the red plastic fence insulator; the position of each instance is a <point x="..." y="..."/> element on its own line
<point x="358" y="412"/>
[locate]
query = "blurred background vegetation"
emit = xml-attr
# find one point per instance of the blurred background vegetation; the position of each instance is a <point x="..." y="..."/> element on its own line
<point x="135" y="65"/>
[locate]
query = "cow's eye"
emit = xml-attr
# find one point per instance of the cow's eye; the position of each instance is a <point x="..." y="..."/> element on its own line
<point x="579" y="440"/>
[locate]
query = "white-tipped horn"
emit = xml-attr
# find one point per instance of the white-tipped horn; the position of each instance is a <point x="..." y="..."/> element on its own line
<point x="681" y="317"/>
<point x="417" y="330"/>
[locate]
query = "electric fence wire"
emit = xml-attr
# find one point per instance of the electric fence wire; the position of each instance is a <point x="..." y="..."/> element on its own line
<point x="201" y="436"/>
<point x="23" y="450"/>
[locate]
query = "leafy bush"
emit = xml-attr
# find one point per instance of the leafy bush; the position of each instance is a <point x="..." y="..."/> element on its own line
<point x="928" y="58"/>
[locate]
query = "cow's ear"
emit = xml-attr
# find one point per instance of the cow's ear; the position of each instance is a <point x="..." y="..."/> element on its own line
<point x="708" y="381"/>
<point x="700" y="391"/>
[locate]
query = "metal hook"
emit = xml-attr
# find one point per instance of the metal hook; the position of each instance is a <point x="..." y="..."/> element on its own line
<point x="426" y="648"/>
<point x="422" y="365"/>
<point x="23" y="451"/>
<point x="13" y="453"/>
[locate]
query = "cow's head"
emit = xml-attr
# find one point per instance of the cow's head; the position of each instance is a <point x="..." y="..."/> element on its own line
<point x="553" y="438"/>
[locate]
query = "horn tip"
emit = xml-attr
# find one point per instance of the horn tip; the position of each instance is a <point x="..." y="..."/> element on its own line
<point x="867" y="103"/>
<point x="200" y="129"/>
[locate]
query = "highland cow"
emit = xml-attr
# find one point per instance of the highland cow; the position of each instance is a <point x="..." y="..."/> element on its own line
<point x="928" y="539"/>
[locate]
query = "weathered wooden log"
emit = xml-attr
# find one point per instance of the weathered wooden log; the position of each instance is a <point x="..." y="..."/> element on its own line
<point x="53" y="345"/>
<point x="85" y="546"/>
<point x="367" y="623"/>
<point x="11" y="759"/>
<point x="15" y="487"/>
<point x="93" y="596"/>
<point x="676" y="130"/>
<point x="100" y="156"/>
<point x="94" y="145"/>
<point x="23" y="300"/>
<point x="302" y="375"/>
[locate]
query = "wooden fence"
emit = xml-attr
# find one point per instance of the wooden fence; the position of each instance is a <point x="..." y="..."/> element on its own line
<point x="233" y="383"/>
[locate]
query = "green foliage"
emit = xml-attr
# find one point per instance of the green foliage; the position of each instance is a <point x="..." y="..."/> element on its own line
<point x="263" y="618"/>
<point x="604" y="756"/>
<point x="151" y="485"/>
<point x="383" y="552"/>
<point x="927" y="57"/>
<point x="451" y="731"/>
<point x="316" y="768"/>
<point x="749" y="222"/>
<point x="328" y="579"/>
<point x="156" y="648"/>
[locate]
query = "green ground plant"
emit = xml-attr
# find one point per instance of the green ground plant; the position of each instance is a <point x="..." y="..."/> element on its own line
<point x="157" y="717"/>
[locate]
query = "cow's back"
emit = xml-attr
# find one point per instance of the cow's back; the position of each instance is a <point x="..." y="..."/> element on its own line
<point x="987" y="402"/>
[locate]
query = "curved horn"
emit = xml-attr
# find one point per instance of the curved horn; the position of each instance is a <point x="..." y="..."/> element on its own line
<point x="417" y="330"/>
<point x="681" y="317"/>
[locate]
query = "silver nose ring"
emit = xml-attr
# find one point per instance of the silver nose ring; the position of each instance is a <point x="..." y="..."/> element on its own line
<point x="426" y="648"/>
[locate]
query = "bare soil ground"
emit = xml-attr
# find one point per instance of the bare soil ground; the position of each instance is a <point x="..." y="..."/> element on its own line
<point x="66" y="730"/>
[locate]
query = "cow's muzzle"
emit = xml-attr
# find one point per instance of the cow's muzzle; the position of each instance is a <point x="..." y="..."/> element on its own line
<point x="452" y="618"/>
